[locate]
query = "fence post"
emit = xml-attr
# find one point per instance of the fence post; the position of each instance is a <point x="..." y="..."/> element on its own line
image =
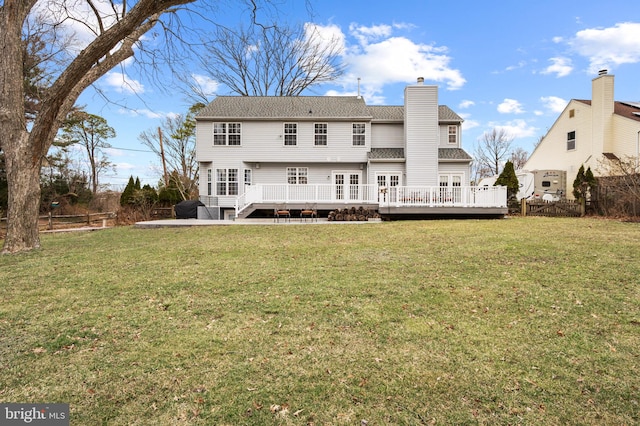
<point x="523" y="207"/>
<point x="50" y="225"/>
<point x="583" y="206"/>
<point x="88" y="219"/>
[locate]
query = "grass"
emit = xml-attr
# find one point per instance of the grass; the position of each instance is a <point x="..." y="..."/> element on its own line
<point x="516" y="321"/>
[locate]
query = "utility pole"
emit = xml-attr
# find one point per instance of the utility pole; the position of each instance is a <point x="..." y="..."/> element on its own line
<point x="164" y="163"/>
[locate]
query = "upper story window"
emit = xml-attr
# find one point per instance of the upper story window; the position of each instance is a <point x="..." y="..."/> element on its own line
<point x="227" y="134"/>
<point x="297" y="175"/>
<point x="320" y="134"/>
<point x="359" y="134"/>
<point x="453" y="134"/>
<point x="571" y="141"/>
<point x="290" y="134"/>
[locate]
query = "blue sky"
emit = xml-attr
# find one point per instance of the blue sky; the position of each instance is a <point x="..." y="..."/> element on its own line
<point x="507" y="64"/>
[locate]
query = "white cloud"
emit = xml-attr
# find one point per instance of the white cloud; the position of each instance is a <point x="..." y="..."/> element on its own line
<point x="380" y="58"/>
<point x="113" y="152"/>
<point x="365" y="35"/>
<point x="516" y="128"/>
<point x="143" y="113"/>
<point x="466" y="104"/>
<point x="561" y="67"/>
<point x="554" y="103"/>
<point x="330" y="34"/>
<point x="207" y="85"/>
<point x="122" y="83"/>
<point x="608" y="47"/>
<point x="398" y="59"/>
<point x="468" y="124"/>
<point x="510" y="106"/>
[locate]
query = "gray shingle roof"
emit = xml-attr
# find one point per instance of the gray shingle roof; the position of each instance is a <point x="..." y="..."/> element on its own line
<point x="308" y="107"/>
<point x="386" y="154"/>
<point x="453" y="154"/>
<point x="287" y="107"/>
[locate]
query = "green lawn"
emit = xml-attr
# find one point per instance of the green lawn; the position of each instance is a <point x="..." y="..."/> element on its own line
<point x="515" y="321"/>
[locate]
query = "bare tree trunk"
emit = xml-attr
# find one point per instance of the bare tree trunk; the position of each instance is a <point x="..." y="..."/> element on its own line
<point x="23" y="177"/>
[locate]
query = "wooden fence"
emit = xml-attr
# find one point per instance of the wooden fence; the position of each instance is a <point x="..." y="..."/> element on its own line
<point x="562" y="208"/>
<point x="51" y="221"/>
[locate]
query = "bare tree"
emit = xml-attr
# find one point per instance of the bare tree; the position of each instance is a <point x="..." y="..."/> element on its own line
<point x="519" y="158"/>
<point x="620" y="181"/>
<point x="493" y="150"/>
<point x="272" y="60"/>
<point x="174" y="143"/>
<point x="114" y="29"/>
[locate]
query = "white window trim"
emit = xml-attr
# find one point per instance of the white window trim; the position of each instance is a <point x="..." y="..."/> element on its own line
<point x="284" y="134"/>
<point x="325" y="134"/>
<point x="353" y="134"/>
<point x="226" y="133"/>
<point x="455" y="134"/>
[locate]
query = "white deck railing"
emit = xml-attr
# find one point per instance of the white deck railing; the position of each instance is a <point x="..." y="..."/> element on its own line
<point x="397" y="196"/>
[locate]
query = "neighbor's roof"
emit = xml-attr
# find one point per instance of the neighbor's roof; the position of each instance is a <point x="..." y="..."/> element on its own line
<point x="308" y="107"/>
<point x="625" y="109"/>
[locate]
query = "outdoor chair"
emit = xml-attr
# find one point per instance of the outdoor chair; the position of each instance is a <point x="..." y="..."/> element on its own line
<point x="281" y="212"/>
<point x="309" y="212"/>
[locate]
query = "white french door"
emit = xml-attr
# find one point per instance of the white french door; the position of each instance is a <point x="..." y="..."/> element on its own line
<point x="386" y="187"/>
<point x="450" y="188"/>
<point x="347" y="185"/>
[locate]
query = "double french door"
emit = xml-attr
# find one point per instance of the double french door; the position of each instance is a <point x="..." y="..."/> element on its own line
<point x="386" y="187"/>
<point x="347" y="186"/>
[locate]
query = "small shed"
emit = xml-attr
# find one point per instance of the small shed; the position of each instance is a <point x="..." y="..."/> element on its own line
<point x="187" y="209"/>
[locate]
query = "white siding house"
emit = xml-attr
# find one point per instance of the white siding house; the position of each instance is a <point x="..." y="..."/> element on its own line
<point x="258" y="152"/>
<point x="588" y="132"/>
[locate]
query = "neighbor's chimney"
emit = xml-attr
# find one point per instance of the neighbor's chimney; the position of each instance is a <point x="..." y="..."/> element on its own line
<point x="421" y="80"/>
<point x="602" y="109"/>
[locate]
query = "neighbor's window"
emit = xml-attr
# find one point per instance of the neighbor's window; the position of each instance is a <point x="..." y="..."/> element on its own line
<point x="358" y="134"/>
<point x="290" y="134"/>
<point x="297" y="175"/>
<point x="209" y="181"/>
<point x="226" y="181"/>
<point x="571" y="141"/>
<point x="320" y="134"/>
<point x="247" y="176"/>
<point x="453" y="134"/>
<point x="226" y="134"/>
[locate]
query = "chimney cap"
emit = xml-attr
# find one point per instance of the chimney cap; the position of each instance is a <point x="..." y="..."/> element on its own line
<point x="420" y="80"/>
<point x="603" y="72"/>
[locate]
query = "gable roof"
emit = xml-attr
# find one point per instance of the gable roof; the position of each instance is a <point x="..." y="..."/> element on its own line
<point x="308" y="108"/>
<point x="625" y="109"/>
<point x="290" y="107"/>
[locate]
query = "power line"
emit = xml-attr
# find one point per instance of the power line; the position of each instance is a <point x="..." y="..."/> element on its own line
<point x="130" y="149"/>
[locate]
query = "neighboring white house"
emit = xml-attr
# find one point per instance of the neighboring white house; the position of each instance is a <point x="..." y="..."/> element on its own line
<point x="588" y="132"/>
<point x="331" y="151"/>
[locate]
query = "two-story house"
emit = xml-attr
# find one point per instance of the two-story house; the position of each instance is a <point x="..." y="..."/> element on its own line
<point x="590" y="133"/>
<point x="255" y="153"/>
